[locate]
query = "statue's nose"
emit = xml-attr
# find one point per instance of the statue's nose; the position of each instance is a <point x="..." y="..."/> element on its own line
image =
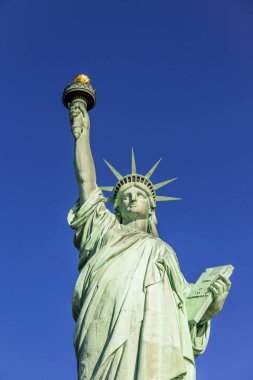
<point x="133" y="197"/>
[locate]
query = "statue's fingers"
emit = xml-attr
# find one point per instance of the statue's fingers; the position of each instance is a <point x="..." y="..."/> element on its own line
<point x="218" y="287"/>
<point x="222" y="284"/>
<point x="83" y="114"/>
<point x="214" y="291"/>
<point x="227" y="281"/>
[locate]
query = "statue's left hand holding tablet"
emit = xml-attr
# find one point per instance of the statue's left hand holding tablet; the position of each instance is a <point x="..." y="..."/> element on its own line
<point x="220" y="290"/>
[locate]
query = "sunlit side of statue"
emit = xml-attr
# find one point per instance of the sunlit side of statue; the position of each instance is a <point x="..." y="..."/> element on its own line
<point x="131" y="302"/>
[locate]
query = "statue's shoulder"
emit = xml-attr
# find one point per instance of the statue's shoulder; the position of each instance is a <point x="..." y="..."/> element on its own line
<point x="171" y="251"/>
<point x="166" y="246"/>
<point x="169" y="248"/>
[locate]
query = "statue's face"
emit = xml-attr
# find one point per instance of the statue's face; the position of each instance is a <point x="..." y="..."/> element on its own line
<point x="134" y="204"/>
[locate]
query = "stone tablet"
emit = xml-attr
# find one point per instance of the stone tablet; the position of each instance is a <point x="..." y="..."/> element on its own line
<point x="200" y="296"/>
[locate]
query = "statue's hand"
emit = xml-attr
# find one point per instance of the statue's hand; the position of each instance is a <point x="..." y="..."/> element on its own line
<point x="220" y="291"/>
<point x="79" y="118"/>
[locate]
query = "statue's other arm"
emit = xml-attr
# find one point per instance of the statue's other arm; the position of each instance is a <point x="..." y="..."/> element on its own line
<point x="83" y="160"/>
<point x="220" y="290"/>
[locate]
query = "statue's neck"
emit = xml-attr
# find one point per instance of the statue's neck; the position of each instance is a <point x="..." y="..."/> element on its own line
<point x="137" y="225"/>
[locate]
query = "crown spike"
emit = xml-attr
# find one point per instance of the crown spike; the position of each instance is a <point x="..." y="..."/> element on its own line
<point x="109" y="200"/>
<point x="107" y="188"/>
<point x="151" y="171"/>
<point x="115" y="172"/>
<point x="160" y="198"/>
<point x="161" y="184"/>
<point x="133" y="163"/>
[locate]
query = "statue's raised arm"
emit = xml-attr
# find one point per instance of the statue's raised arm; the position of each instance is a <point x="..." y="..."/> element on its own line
<point x="79" y="97"/>
<point x="84" y="164"/>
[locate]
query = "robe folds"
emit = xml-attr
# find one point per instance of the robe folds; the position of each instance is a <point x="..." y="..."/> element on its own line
<point x="129" y="302"/>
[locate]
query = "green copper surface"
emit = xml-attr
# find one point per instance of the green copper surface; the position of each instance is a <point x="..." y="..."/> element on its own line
<point x="137" y="318"/>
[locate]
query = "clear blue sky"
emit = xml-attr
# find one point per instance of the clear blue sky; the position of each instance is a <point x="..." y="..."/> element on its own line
<point x="173" y="79"/>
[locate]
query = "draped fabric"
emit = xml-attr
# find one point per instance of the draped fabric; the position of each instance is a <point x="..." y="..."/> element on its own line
<point x="129" y="302"/>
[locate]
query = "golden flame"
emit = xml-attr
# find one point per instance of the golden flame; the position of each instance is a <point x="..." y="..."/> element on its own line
<point x="82" y="78"/>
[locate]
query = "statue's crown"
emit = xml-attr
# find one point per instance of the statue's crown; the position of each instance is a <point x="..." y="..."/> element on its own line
<point x="142" y="180"/>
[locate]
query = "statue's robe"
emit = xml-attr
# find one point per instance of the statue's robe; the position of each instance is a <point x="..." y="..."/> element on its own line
<point x="129" y="302"/>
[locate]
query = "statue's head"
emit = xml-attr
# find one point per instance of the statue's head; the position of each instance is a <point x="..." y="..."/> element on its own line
<point x="133" y="202"/>
<point x="134" y="196"/>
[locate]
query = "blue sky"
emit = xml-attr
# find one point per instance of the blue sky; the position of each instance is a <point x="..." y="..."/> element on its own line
<point x="173" y="79"/>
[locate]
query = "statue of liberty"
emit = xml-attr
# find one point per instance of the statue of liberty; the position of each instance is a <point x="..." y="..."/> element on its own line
<point x="129" y="300"/>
